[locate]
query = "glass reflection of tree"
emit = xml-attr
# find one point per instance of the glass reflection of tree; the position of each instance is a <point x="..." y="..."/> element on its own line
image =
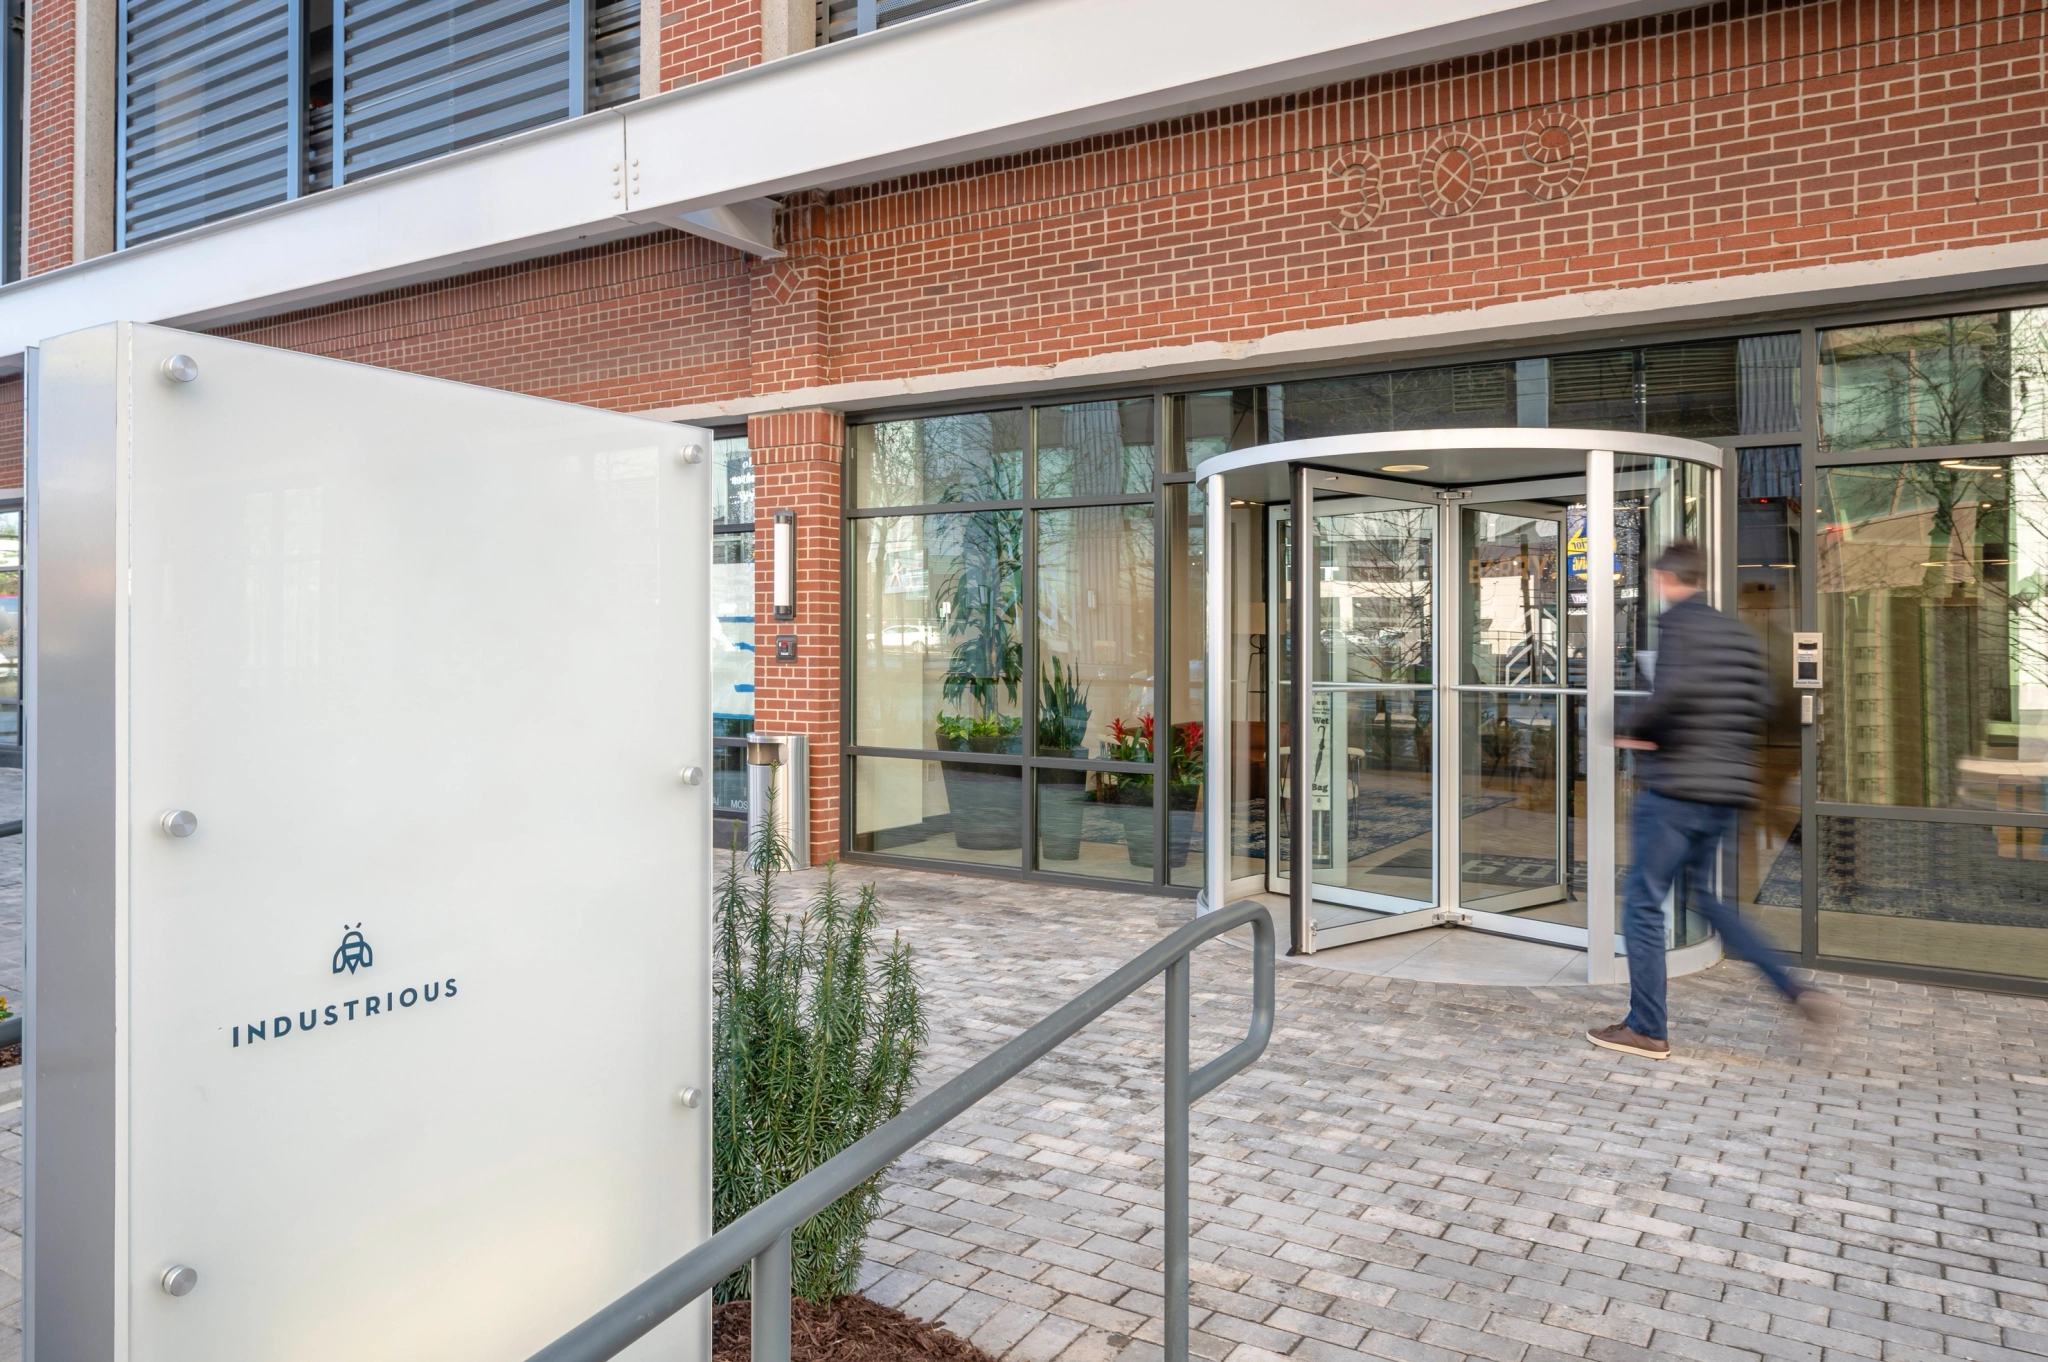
<point x="1384" y="573"/>
<point x="980" y="599"/>
<point x="1942" y="618"/>
<point x="981" y="602"/>
<point x="1967" y="379"/>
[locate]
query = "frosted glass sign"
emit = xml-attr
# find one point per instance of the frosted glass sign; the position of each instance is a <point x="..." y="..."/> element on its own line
<point x="368" y="905"/>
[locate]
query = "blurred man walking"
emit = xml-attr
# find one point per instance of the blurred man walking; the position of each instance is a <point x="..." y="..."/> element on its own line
<point x="1698" y="736"/>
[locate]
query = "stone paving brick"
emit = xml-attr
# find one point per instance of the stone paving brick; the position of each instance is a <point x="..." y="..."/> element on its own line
<point x="1446" y="1173"/>
<point x="1433" y="1171"/>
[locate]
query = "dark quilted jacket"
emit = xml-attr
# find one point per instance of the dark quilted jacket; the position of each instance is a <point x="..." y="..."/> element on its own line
<point x="1707" y="704"/>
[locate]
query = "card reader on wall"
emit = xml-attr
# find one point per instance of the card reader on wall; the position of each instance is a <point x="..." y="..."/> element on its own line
<point x="1806" y="672"/>
<point x="1806" y="661"/>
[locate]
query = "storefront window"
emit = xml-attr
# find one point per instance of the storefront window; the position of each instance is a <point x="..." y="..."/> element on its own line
<point x="1708" y="389"/>
<point x="938" y="647"/>
<point x="1216" y="423"/>
<point x="1769" y="868"/>
<point x="732" y="622"/>
<point x="1186" y="687"/>
<point x="971" y="812"/>
<point x="732" y="482"/>
<point x="977" y="456"/>
<point x="1966" y="896"/>
<point x="1974" y="378"/>
<point x="1932" y="578"/>
<point x="1094" y="630"/>
<point x="1096" y="449"/>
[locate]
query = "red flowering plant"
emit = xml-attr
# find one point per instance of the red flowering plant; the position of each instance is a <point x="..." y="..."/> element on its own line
<point x="1134" y="743"/>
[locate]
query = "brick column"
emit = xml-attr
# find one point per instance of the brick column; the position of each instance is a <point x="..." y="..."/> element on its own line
<point x="49" y="124"/>
<point x="797" y="460"/>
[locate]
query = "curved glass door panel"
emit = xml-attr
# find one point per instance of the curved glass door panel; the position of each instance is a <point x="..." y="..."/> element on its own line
<point x="1514" y="621"/>
<point x="1373" y="795"/>
<point x="1521" y="786"/>
<point x="1373" y="789"/>
<point x="1375" y="572"/>
<point x="1518" y="748"/>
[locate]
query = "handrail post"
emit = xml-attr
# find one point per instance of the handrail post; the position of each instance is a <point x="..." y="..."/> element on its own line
<point x="769" y="1312"/>
<point x="1177" y="1101"/>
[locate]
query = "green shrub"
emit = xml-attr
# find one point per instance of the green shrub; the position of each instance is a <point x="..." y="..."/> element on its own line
<point x="816" y="1037"/>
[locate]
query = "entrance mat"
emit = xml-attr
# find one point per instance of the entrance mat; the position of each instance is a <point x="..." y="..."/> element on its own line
<point x="1388" y="821"/>
<point x="1518" y="872"/>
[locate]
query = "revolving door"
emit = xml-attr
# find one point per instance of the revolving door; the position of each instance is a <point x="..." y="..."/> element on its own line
<point x="1464" y="670"/>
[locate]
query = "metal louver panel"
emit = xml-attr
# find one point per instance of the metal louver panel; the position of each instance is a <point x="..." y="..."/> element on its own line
<point x="844" y="18"/>
<point x="207" y="102"/>
<point x="614" y="52"/>
<point x="424" y="77"/>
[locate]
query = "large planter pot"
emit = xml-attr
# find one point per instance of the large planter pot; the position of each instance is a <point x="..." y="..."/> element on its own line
<point x="1141" y="836"/>
<point x="1060" y="802"/>
<point x="983" y="801"/>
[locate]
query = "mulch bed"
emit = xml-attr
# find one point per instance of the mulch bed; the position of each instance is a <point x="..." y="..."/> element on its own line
<point x="850" y="1329"/>
<point x="10" y="1055"/>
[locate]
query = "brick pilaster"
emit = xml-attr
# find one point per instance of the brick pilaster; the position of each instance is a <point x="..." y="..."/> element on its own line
<point x="50" y="114"/>
<point x="789" y="345"/>
<point x="701" y="39"/>
<point x="797" y="461"/>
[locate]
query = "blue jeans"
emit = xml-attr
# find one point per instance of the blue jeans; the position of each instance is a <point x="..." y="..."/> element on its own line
<point x="1670" y="836"/>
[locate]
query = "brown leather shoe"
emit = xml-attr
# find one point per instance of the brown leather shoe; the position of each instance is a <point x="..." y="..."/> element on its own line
<point x="1619" y="1037"/>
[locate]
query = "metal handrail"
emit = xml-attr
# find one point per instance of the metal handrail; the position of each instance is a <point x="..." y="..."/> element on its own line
<point x="761" y="1236"/>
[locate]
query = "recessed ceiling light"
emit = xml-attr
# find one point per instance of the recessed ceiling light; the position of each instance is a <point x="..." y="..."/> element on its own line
<point x="1973" y="467"/>
<point x="1404" y="468"/>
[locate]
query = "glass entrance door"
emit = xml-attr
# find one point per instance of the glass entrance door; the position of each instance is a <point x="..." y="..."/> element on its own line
<point x="1521" y="714"/>
<point x="1430" y="610"/>
<point x="1373" y="781"/>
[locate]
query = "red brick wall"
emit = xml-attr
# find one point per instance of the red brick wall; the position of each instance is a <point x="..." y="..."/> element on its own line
<point x="797" y="461"/>
<point x="705" y="38"/>
<point x="11" y="432"/>
<point x="48" y="118"/>
<point x="1720" y="141"/>
<point x="1726" y="140"/>
<point x="634" y="324"/>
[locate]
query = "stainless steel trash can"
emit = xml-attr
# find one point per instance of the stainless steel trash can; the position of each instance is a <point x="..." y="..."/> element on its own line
<point x="777" y="762"/>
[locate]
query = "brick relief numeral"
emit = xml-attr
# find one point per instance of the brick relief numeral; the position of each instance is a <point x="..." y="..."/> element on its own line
<point x="1355" y="189"/>
<point x="1556" y="143"/>
<point x="1455" y="174"/>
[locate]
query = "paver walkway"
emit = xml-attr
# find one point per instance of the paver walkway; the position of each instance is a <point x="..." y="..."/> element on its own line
<point x="1432" y="1172"/>
<point x="1435" y="1172"/>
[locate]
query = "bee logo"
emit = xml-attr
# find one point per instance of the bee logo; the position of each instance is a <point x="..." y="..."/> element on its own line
<point x="354" y="951"/>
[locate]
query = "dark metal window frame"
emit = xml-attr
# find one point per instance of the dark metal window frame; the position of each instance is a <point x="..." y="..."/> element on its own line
<point x="733" y="527"/>
<point x="1812" y="807"/>
<point x="1164" y="438"/>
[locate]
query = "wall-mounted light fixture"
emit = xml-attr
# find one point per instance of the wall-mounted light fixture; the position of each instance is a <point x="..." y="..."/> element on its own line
<point x="785" y="565"/>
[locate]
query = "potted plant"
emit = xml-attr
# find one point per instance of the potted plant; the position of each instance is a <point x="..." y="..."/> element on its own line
<point x="1062" y="732"/>
<point x="980" y="606"/>
<point x="1131" y="793"/>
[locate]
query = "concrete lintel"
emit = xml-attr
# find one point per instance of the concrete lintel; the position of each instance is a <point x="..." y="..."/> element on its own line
<point x="1762" y="297"/>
